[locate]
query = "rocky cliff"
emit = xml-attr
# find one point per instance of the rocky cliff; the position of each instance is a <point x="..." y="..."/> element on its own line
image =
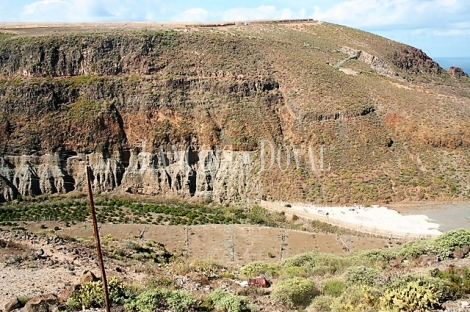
<point x="305" y="111"/>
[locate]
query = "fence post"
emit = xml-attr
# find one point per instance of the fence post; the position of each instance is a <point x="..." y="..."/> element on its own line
<point x="97" y="241"/>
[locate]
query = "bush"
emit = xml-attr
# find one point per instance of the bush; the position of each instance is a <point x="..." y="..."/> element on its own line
<point x="334" y="288"/>
<point x="322" y="303"/>
<point x="118" y="293"/>
<point x="361" y="275"/>
<point x="223" y="301"/>
<point x="316" y="262"/>
<point x="294" y="292"/>
<point x="207" y="268"/>
<point x="357" y="299"/>
<point x="414" y="249"/>
<point x="376" y="257"/>
<point x="257" y="268"/>
<point x="441" y="286"/>
<point x="258" y="215"/>
<point x="458" y="280"/>
<point x="179" y="300"/>
<point x="295" y="271"/>
<point x="162" y="298"/>
<point x="414" y="296"/>
<point x="404" y="279"/>
<point x="89" y="295"/>
<point x="453" y="239"/>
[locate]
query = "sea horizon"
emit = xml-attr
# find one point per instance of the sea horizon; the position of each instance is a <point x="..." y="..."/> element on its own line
<point x="447" y="62"/>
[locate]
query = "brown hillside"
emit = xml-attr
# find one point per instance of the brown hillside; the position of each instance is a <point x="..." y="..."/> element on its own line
<point x="371" y="120"/>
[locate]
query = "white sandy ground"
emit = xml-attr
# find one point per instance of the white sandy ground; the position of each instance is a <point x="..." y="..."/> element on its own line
<point x="374" y="219"/>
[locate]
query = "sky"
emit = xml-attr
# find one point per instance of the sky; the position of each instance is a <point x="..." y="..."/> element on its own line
<point x="441" y="28"/>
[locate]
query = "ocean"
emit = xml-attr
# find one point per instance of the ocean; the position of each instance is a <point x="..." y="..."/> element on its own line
<point x="462" y="62"/>
<point x="449" y="216"/>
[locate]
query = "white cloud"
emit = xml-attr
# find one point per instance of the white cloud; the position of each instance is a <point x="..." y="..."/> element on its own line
<point x="40" y="8"/>
<point x="263" y="12"/>
<point x="64" y="10"/>
<point x="397" y="14"/>
<point x="192" y="15"/>
<point x="451" y="32"/>
<point x="439" y="27"/>
<point x="90" y="10"/>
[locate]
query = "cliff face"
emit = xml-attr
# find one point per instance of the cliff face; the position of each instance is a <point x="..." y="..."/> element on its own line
<point x="221" y="175"/>
<point x="231" y="113"/>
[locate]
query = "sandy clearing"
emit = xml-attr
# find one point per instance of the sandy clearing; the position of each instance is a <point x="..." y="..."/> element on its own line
<point x="372" y="220"/>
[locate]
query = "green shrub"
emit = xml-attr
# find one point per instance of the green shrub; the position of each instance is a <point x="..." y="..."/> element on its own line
<point x="162" y="298"/>
<point x="294" y="292"/>
<point x="458" y="280"/>
<point x="322" y="303"/>
<point x="258" y="215"/>
<point x="257" y="268"/>
<point x="403" y="280"/>
<point x="441" y="286"/>
<point x="22" y="300"/>
<point x="361" y="275"/>
<point x="206" y="267"/>
<point x="89" y="295"/>
<point x="223" y="301"/>
<point x="317" y="262"/>
<point x="414" y="249"/>
<point x="376" y="257"/>
<point x="118" y="292"/>
<point x="334" y="288"/>
<point x="84" y="109"/>
<point x="295" y="271"/>
<point x="453" y="239"/>
<point x="357" y="298"/>
<point x="414" y="296"/>
<point x="73" y="305"/>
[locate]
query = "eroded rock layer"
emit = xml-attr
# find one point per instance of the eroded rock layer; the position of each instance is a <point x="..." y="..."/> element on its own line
<point x="292" y="111"/>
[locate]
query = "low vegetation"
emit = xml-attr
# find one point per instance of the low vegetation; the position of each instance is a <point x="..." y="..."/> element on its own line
<point x="223" y="301"/>
<point x="371" y="280"/>
<point x="294" y="292"/>
<point x="119" y="211"/>
<point x="352" y="285"/>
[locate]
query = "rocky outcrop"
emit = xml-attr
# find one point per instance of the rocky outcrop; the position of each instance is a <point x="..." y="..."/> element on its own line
<point x="13" y="305"/>
<point x="221" y="175"/>
<point x="8" y="191"/>
<point x="87" y="277"/>
<point x="457" y="72"/>
<point x="42" y="303"/>
<point x="415" y="61"/>
<point x="102" y="55"/>
<point x="29" y="176"/>
<point x="375" y="63"/>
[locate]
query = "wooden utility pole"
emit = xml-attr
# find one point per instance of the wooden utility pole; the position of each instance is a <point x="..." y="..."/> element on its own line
<point x="97" y="241"/>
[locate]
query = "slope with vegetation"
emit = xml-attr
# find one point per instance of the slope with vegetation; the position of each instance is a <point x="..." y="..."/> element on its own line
<point x="427" y="275"/>
<point x="386" y="120"/>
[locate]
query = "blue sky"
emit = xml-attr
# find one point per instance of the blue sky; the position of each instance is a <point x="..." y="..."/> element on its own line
<point x="441" y="28"/>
